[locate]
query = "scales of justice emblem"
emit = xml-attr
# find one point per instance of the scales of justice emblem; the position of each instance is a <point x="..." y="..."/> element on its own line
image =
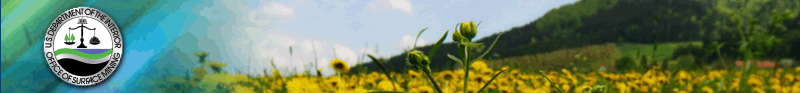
<point x="82" y="62"/>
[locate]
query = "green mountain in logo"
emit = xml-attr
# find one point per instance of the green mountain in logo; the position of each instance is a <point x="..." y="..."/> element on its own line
<point x="85" y="53"/>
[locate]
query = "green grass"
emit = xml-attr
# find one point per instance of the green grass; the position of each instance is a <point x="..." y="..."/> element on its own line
<point x="663" y="52"/>
<point x="596" y="55"/>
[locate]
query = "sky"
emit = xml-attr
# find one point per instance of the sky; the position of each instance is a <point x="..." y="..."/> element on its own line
<point x="261" y="31"/>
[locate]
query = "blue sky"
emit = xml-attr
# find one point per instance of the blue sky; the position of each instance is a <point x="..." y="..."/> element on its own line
<point x="263" y="30"/>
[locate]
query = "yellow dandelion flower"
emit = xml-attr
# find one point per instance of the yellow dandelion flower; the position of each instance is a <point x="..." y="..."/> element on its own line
<point x="506" y="89"/>
<point x="622" y="88"/>
<point x="776" y="87"/>
<point x="242" y="89"/>
<point x="479" y="65"/>
<point x="413" y="74"/>
<point x="421" y="89"/>
<point x="340" y="66"/>
<point x="797" y="78"/>
<point x="301" y="75"/>
<point x="416" y="83"/>
<point x="487" y="71"/>
<point x="480" y="78"/>
<point x="319" y="71"/>
<point x="303" y="85"/>
<point x="797" y="69"/>
<point x="474" y="87"/>
<point x="582" y="88"/>
<point x="707" y="89"/>
<point x="334" y="82"/>
<point x="735" y="84"/>
<point x="565" y="88"/>
<point x="774" y="80"/>
<point x="642" y="89"/>
<point x="447" y="75"/>
<point x="675" y="90"/>
<point x="515" y="72"/>
<point x="387" y="85"/>
<point x="683" y="75"/>
<point x="565" y="71"/>
<point x="759" y="90"/>
<point x="755" y="82"/>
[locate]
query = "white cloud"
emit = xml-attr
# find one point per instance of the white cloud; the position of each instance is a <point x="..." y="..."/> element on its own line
<point x="369" y="51"/>
<point x="312" y="46"/>
<point x="398" y="5"/>
<point x="278" y="10"/>
<point x="402" y="5"/>
<point x="407" y="42"/>
<point x="247" y="40"/>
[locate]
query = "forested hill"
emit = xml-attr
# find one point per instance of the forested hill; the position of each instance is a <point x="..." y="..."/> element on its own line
<point x="589" y="22"/>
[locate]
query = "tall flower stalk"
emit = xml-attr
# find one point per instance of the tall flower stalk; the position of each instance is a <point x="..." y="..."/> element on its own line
<point x="463" y="35"/>
<point x="422" y="63"/>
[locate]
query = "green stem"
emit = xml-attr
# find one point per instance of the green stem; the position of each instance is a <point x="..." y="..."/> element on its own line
<point x="430" y="77"/>
<point x="466" y="68"/>
<point x="551" y="82"/>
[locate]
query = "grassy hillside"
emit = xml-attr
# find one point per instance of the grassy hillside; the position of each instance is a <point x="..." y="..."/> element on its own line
<point x="590" y="22"/>
<point x="592" y="57"/>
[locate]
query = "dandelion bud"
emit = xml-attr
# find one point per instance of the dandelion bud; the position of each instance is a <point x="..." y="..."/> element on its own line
<point x="468" y="30"/>
<point x="417" y="58"/>
<point x="457" y="37"/>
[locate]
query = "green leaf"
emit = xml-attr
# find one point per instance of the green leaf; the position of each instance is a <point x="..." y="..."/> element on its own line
<point x="454" y="58"/>
<point x="436" y="46"/>
<point x="490" y="46"/>
<point x="470" y="44"/>
<point x="385" y="72"/>
<point x="490" y="81"/>
<point x="418" y="34"/>
<point x="479" y="24"/>
<point x="551" y="82"/>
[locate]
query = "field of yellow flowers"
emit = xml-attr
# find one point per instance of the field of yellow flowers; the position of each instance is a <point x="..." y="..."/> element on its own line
<point x="516" y="81"/>
<point x="476" y="76"/>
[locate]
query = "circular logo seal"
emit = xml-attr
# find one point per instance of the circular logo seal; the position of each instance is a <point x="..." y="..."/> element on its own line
<point x="83" y="46"/>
